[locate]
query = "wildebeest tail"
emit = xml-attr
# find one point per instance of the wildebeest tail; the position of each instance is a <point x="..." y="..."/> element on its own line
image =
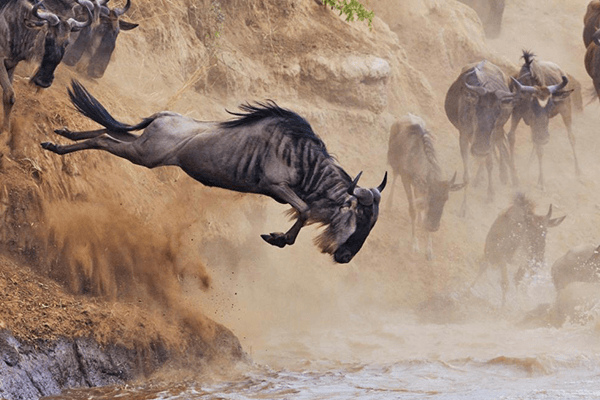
<point x="87" y="104"/>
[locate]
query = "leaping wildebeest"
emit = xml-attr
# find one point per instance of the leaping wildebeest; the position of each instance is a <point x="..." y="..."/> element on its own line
<point x="544" y="92"/>
<point x="518" y="227"/>
<point x="478" y="104"/>
<point x="266" y="150"/>
<point x="94" y="45"/>
<point x="28" y="32"/>
<point x="412" y="156"/>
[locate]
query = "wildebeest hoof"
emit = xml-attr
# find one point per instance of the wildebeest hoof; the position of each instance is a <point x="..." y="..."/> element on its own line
<point x="63" y="132"/>
<point x="49" y="146"/>
<point x="276" y="239"/>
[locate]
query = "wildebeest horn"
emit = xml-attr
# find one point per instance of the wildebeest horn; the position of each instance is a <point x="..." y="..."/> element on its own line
<point x="77" y="25"/>
<point x="523" y="88"/>
<point x="354" y="183"/>
<point x="383" y="183"/>
<point x="555" y="88"/>
<point x="86" y="3"/>
<point x="549" y="215"/>
<point x="480" y="90"/>
<point x="45" y="15"/>
<point x="120" y="11"/>
<point x="596" y="37"/>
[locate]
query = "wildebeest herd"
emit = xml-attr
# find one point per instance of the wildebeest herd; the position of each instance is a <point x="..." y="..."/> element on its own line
<point x="273" y="151"/>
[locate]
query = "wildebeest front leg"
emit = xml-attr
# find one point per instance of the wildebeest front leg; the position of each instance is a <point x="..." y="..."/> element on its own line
<point x="464" y="151"/>
<point x="281" y="239"/>
<point x="489" y="163"/>
<point x="539" y="150"/>
<point x="567" y="120"/>
<point x="8" y="94"/>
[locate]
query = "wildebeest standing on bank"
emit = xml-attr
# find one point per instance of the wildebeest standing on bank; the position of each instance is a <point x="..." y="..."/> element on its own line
<point x="591" y="21"/>
<point x="27" y="33"/>
<point x="545" y="91"/>
<point x="580" y="264"/>
<point x="95" y="44"/>
<point x="518" y="227"/>
<point x="267" y="150"/>
<point x="478" y="104"/>
<point x="490" y="13"/>
<point x="412" y="156"/>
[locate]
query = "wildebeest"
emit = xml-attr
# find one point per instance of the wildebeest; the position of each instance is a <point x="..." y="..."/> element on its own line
<point x="266" y="150"/>
<point x="478" y="104"/>
<point x="490" y="13"/>
<point x="412" y="155"/>
<point x="592" y="55"/>
<point x="517" y="227"/>
<point x="26" y="33"/>
<point x="545" y="91"/>
<point x="95" y="44"/>
<point x="580" y="264"/>
<point x="591" y="21"/>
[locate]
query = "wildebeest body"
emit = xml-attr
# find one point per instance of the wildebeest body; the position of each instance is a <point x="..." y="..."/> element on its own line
<point x="518" y="227"/>
<point x="412" y="155"/>
<point x="546" y="92"/>
<point x="267" y="150"/>
<point x="478" y="104"/>
<point x="580" y="264"/>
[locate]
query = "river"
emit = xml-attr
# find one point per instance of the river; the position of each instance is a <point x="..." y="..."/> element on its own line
<point x="396" y="357"/>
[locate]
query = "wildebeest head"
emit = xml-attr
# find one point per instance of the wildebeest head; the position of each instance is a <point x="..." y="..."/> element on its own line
<point x="484" y="109"/>
<point x="352" y="222"/>
<point x="56" y="40"/>
<point x="542" y="101"/>
<point x="437" y="196"/>
<point x="98" y="42"/>
<point x="520" y="227"/>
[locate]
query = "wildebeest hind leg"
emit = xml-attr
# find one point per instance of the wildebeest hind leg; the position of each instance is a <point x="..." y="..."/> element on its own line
<point x="65" y="132"/>
<point x="104" y="142"/>
<point x="83" y="135"/>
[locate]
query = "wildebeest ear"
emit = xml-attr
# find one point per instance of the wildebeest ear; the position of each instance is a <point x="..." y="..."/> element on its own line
<point x="126" y="26"/>
<point x="562" y="95"/>
<point x="556" y="221"/>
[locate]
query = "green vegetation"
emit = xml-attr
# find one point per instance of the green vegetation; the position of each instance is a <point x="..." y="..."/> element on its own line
<point x="351" y="9"/>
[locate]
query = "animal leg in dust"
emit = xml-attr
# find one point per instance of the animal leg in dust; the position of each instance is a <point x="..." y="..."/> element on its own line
<point x="102" y="142"/>
<point x="8" y="94"/>
<point x="280" y="239"/>
<point x="567" y="120"/>
<point x="411" y="211"/>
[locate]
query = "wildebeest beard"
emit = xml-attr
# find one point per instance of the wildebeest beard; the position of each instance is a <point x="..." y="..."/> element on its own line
<point x="345" y="235"/>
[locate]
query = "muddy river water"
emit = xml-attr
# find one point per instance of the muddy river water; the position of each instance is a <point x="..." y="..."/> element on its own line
<point x="396" y="356"/>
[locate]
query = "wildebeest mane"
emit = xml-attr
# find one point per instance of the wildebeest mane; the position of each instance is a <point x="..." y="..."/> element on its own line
<point x="535" y="76"/>
<point x="523" y="202"/>
<point x="291" y="123"/>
